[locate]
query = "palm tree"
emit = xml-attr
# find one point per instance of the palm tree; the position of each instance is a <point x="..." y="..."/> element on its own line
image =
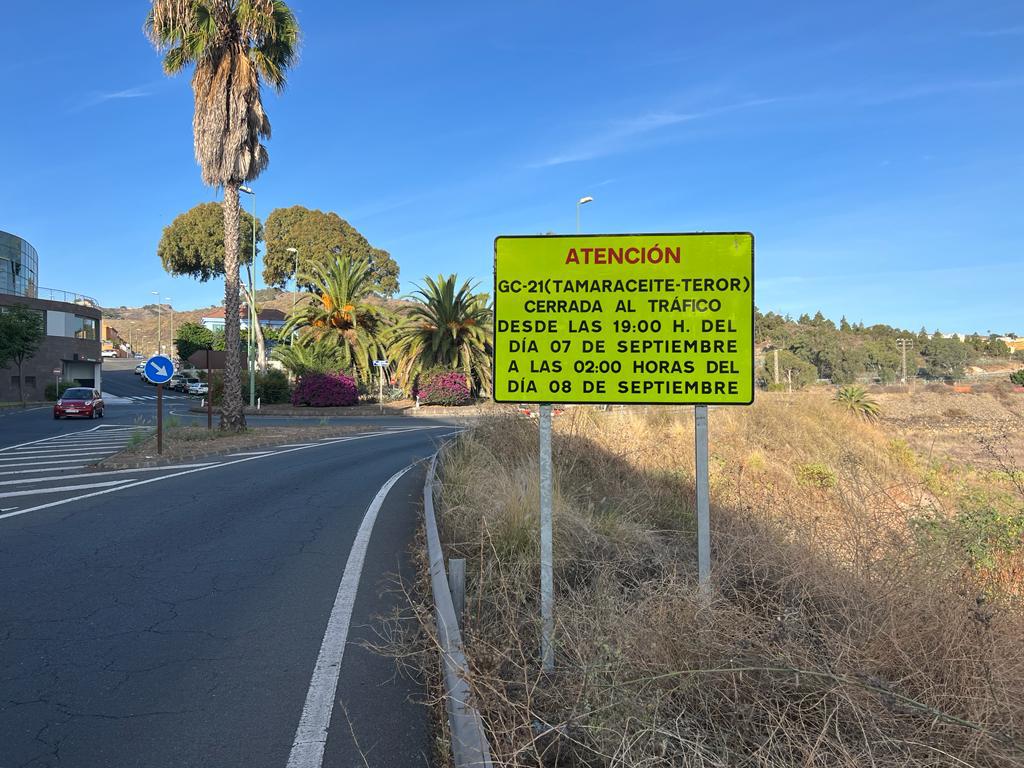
<point x="446" y="328"/>
<point x="857" y="400"/>
<point x="339" y="314"/>
<point x="318" y="356"/>
<point x="234" y="45"/>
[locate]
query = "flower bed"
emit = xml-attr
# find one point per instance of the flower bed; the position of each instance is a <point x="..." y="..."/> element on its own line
<point x="321" y="390"/>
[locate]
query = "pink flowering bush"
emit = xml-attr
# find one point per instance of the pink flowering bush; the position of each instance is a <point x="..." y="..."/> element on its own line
<point x="445" y="388"/>
<point x="321" y="390"/>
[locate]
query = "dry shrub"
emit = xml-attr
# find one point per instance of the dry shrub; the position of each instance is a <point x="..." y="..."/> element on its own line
<point x="831" y="636"/>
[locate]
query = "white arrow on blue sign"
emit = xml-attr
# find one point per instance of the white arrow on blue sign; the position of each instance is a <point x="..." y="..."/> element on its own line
<point x="159" y="369"/>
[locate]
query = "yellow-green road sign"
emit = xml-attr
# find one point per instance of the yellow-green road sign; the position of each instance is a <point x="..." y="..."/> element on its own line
<point x="658" y="318"/>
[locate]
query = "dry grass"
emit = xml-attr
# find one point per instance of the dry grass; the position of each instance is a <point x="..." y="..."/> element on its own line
<point x="836" y="634"/>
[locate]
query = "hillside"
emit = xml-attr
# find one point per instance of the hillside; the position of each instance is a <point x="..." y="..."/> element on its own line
<point x="139" y="324"/>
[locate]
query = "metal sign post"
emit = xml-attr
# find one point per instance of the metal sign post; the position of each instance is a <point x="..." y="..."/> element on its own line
<point x="381" y="364"/>
<point x="209" y="393"/>
<point x="547" y="597"/>
<point x="159" y="418"/>
<point x="159" y="369"/>
<point x="700" y="413"/>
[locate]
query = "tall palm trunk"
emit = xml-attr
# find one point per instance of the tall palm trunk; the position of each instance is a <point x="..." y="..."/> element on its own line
<point x="232" y="417"/>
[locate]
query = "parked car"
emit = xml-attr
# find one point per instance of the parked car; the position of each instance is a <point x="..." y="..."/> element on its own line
<point x="198" y="387"/>
<point x="139" y="356"/>
<point x="108" y="353"/>
<point x="139" y="368"/>
<point x="79" y="401"/>
<point x="176" y="382"/>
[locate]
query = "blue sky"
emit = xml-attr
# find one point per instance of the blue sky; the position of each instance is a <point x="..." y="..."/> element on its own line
<point x="874" y="148"/>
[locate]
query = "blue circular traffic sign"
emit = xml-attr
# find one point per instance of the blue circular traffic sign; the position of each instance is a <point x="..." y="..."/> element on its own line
<point x="159" y="369"/>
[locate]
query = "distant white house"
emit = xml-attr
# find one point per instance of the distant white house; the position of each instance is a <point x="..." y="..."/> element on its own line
<point x="269" y="318"/>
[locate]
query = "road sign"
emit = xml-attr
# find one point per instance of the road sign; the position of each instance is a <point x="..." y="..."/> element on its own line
<point x="381" y="363"/>
<point x="659" y="318"/>
<point x="159" y="369"/>
<point x="56" y="371"/>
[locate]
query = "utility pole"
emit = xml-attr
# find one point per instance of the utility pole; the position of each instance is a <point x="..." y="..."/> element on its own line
<point x="789" y="379"/>
<point x="903" y="343"/>
<point x="776" y="354"/>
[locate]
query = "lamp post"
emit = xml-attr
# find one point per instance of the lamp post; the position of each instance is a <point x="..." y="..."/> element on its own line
<point x="159" y="338"/>
<point x="252" y="301"/>
<point x="580" y="202"/>
<point x="170" y="331"/>
<point x="295" y="253"/>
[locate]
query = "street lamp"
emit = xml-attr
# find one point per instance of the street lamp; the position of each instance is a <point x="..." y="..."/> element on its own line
<point x="159" y="338"/>
<point x="252" y="301"/>
<point x="170" y="331"/>
<point x="581" y="201"/>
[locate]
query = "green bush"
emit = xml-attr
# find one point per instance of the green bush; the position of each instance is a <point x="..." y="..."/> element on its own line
<point x="53" y="390"/>
<point x="1017" y="377"/>
<point x="817" y="474"/>
<point x="272" y="387"/>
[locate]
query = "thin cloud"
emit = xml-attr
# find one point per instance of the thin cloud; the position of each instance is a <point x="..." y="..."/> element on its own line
<point x="1002" y="32"/>
<point x="937" y="89"/>
<point x="136" y="92"/>
<point x="619" y="135"/>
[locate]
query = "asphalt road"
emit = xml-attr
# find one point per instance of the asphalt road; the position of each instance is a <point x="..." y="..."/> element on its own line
<point x="181" y="621"/>
<point x="133" y="403"/>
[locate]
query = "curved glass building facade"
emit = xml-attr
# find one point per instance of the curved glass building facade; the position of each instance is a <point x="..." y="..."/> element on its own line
<point x="19" y="266"/>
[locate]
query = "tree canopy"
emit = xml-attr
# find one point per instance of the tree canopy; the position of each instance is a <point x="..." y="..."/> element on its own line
<point x="321" y="237"/>
<point x="193" y="244"/>
<point x="21" y="334"/>
<point x="192" y="337"/>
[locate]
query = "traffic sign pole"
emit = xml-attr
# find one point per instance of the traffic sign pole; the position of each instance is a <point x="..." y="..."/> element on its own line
<point x="159" y="369"/>
<point x="159" y="418"/>
<point x="547" y="597"/>
<point x="700" y="414"/>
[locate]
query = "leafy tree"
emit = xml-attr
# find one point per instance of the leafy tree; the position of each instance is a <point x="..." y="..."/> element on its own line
<point x="791" y="368"/>
<point x="320" y="238"/>
<point x="447" y="327"/>
<point x="234" y="46"/>
<point x="341" y="313"/>
<point x="193" y="244"/>
<point x="996" y="347"/>
<point x="884" y="359"/>
<point x="192" y="337"/>
<point x="844" y="324"/>
<point x="1017" y="377"/>
<point x="945" y="358"/>
<point x="21" y="335"/>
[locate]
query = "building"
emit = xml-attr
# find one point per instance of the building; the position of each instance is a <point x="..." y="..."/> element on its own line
<point x="71" y="349"/>
<point x="269" y="318"/>
<point x="113" y="344"/>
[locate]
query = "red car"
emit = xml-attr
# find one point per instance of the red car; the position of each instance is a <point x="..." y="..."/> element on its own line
<point x="79" y="401"/>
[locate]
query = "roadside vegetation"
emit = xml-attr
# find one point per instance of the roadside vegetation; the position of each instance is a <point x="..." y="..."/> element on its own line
<point x="867" y="606"/>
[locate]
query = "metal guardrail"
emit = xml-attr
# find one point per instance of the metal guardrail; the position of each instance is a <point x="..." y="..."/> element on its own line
<point x="469" y="742"/>
<point x="55" y="294"/>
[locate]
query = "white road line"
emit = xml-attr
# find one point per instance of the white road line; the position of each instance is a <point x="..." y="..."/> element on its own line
<point x="295" y="445"/>
<point x="311" y="735"/>
<point x="167" y="477"/>
<point x="77" y="462"/>
<point x="250" y="453"/>
<point x="62" y="488"/>
<point x="25" y="480"/>
<point x="55" y="448"/>
<point x="54" y="455"/>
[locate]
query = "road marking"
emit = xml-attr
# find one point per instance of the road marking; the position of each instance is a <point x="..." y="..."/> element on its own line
<point x="311" y="735"/>
<point x="24" y="480"/>
<point x="169" y="476"/>
<point x="295" y="445"/>
<point x="250" y="453"/>
<point x="102" y="427"/>
<point x="44" y="457"/>
<point x="7" y="509"/>
<point x="61" y="488"/>
<point x="77" y="462"/>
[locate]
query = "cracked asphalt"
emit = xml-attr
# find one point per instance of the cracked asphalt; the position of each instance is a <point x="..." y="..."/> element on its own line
<point x="178" y="623"/>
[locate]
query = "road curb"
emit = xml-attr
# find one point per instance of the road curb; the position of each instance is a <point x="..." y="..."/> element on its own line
<point x="469" y="742"/>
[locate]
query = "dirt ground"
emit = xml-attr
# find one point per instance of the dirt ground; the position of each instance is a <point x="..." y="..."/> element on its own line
<point x="981" y="428"/>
